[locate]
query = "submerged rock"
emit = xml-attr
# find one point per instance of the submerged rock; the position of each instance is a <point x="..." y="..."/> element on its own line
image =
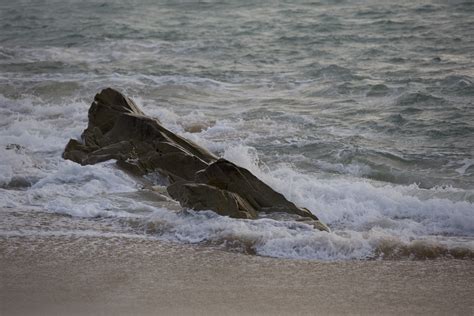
<point x="199" y="180"/>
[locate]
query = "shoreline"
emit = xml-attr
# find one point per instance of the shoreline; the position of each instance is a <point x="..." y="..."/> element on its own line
<point x="87" y="275"/>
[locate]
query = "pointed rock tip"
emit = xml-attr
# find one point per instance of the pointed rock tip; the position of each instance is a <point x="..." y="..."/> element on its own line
<point x="112" y="98"/>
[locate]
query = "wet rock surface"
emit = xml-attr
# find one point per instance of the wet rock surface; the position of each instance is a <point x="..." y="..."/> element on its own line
<point x="199" y="180"/>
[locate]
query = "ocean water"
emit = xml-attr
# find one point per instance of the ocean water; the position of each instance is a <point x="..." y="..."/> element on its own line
<point x="361" y="111"/>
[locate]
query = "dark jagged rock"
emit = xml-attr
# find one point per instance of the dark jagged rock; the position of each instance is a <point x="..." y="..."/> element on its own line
<point x="119" y="130"/>
<point x="225" y="175"/>
<point x="200" y="196"/>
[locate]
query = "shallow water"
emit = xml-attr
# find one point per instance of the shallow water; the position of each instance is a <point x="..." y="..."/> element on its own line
<point x="361" y="111"/>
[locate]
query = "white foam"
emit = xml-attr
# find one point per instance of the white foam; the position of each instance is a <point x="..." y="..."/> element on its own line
<point x="352" y="203"/>
<point x="364" y="214"/>
<point x="285" y="239"/>
<point x="355" y="169"/>
<point x="466" y="164"/>
<point x="82" y="190"/>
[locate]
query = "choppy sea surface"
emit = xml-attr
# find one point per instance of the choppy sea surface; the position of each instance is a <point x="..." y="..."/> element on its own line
<point x="361" y="111"/>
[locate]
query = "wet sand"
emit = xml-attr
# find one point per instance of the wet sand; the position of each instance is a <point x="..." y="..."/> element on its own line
<point x="87" y="275"/>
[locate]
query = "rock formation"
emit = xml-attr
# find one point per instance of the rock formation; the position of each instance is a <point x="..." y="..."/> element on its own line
<point x="199" y="180"/>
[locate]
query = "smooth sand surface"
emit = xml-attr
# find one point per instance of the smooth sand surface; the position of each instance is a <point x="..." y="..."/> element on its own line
<point x="86" y="275"/>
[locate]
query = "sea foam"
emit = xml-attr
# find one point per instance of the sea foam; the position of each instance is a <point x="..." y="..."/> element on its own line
<point x="369" y="219"/>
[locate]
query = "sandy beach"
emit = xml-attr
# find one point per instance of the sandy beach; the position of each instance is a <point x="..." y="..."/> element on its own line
<point x="46" y="273"/>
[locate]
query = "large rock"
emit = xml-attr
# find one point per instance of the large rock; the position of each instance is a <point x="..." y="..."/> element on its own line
<point x="119" y="130"/>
